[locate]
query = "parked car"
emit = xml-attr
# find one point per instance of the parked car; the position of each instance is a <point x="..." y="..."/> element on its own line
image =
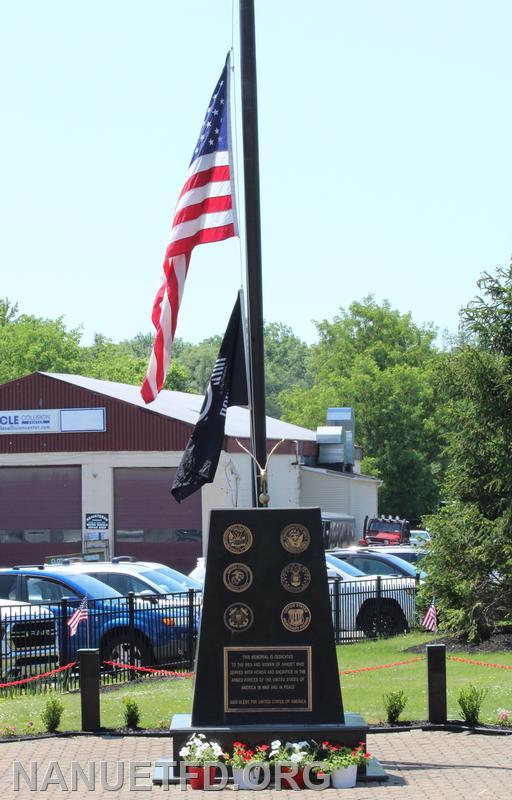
<point x="403" y="551"/>
<point x="131" y="576"/>
<point x="28" y="640"/>
<point x="419" y="537"/>
<point x="376" y="562"/>
<point x="199" y="571"/>
<point x="160" y="630"/>
<point x="184" y="581"/>
<point x="359" y="608"/>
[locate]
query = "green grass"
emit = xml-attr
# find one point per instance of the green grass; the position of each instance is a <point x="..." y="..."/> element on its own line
<point x="362" y="692"/>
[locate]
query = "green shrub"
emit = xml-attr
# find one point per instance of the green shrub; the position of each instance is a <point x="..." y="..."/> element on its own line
<point x="394" y="703"/>
<point x="131" y="713"/>
<point x="51" y="714"/>
<point x="470" y="701"/>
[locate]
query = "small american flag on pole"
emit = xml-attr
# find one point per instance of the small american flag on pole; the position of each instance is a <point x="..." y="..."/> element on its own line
<point x="204" y="213"/>
<point x="81" y="613"/>
<point x="430" y="619"/>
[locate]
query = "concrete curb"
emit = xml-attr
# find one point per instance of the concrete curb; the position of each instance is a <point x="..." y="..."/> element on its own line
<point x="450" y="727"/>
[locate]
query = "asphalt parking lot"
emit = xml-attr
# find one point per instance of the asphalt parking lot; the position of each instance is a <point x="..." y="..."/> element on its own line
<point x="420" y="764"/>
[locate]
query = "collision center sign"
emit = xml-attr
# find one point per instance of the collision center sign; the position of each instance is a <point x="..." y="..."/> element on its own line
<point x="52" y="420"/>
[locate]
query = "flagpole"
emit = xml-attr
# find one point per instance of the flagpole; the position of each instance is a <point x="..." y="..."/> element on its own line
<point x="253" y="235"/>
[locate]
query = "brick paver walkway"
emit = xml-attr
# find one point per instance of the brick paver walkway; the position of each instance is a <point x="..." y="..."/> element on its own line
<point x="421" y="765"/>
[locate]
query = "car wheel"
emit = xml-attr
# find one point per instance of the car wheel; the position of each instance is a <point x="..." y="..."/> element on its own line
<point x="118" y="648"/>
<point x="390" y="621"/>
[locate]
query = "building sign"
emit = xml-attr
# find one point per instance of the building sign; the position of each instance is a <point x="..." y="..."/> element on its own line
<point x="96" y="522"/>
<point x="53" y="420"/>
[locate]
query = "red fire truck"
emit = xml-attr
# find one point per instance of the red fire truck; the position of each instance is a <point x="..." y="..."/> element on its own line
<point x="385" y="531"/>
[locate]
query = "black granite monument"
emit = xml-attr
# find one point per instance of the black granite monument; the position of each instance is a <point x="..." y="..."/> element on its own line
<point x="266" y="647"/>
<point x="266" y="664"/>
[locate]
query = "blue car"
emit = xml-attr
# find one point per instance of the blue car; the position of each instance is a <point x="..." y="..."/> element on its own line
<point x="139" y="631"/>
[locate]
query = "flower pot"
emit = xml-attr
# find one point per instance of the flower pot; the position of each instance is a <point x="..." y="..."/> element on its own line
<point x="252" y="779"/>
<point x="196" y="776"/>
<point x="298" y="778"/>
<point x="344" y="778"/>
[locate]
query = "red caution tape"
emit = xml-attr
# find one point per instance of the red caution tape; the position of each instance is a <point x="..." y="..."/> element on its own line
<point x="38" y="677"/>
<point x="381" y="666"/>
<point x="119" y="665"/>
<point x="479" y="663"/>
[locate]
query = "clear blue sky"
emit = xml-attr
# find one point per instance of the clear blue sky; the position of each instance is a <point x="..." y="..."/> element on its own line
<point x="385" y="141"/>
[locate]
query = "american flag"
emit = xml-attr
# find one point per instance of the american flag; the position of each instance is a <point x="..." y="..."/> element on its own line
<point x="430" y="619"/>
<point x="204" y="213"/>
<point x="76" y="618"/>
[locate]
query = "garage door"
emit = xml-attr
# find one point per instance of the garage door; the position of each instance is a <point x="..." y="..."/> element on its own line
<point x="150" y="524"/>
<point x="40" y="513"/>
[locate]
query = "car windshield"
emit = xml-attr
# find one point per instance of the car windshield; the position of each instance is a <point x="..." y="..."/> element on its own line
<point x="164" y="582"/>
<point x="384" y="526"/>
<point x="347" y="568"/>
<point x="423" y="536"/>
<point x="185" y="580"/>
<point x="84" y="584"/>
<point x="399" y="564"/>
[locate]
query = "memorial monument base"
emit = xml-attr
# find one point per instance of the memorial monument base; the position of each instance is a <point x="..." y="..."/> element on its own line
<point x="353" y="731"/>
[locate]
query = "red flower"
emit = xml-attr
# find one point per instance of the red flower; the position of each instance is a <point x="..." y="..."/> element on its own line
<point x="263" y="747"/>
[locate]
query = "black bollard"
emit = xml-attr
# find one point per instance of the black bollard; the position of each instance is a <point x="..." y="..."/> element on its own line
<point x="89" y="661"/>
<point x="436" y="683"/>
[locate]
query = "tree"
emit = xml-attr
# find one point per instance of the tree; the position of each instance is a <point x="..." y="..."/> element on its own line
<point x="379" y="362"/>
<point x="286" y="364"/>
<point x="470" y="565"/>
<point x="8" y="311"/>
<point x="112" y="361"/>
<point x="197" y="360"/>
<point x="29" y="344"/>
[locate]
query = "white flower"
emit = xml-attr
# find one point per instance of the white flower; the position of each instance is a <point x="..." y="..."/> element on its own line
<point x="201" y="736"/>
<point x="303" y="745"/>
<point x="276" y="744"/>
<point x="185" y="751"/>
<point x="296" y="757"/>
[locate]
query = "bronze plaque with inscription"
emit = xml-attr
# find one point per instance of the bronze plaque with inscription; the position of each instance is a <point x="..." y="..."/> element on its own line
<point x="260" y="679"/>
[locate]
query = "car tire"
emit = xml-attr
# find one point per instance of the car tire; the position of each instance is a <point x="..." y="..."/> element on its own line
<point x="117" y="648"/>
<point x="389" y="622"/>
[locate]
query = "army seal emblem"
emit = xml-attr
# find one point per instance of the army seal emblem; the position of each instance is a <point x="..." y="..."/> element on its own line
<point x="295" y="538"/>
<point x="237" y="577"/>
<point x="237" y="539"/>
<point x="295" y="577"/>
<point x="238" y="617"/>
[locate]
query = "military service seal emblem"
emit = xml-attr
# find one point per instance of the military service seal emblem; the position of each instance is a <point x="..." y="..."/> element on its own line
<point x="295" y="577"/>
<point x="237" y="577"/>
<point x="237" y="539"/>
<point x="296" y="617"/>
<point x="295" y="538"/>
<point x="238" y="617"/>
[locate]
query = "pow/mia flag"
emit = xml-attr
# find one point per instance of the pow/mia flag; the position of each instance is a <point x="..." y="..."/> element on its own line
<point x="227" y="387"/>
